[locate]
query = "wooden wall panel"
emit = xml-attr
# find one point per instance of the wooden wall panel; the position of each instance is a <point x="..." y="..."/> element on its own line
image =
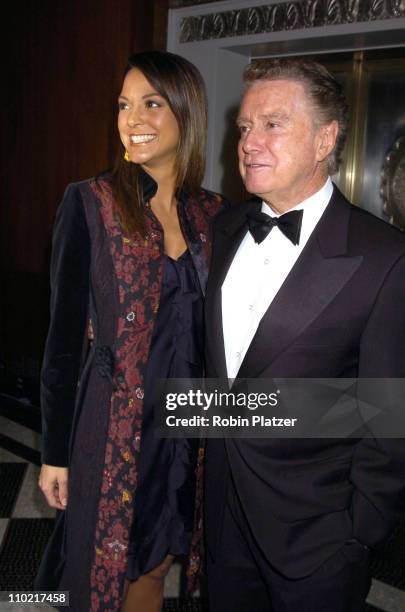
<point x="64" y="66"/>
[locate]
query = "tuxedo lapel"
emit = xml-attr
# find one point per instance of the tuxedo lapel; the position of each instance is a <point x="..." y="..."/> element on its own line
<point x="318" y="275"/>
<point x="228" y="237"/>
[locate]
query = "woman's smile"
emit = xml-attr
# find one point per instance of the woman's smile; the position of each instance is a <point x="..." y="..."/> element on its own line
<point x="140" y="139"/>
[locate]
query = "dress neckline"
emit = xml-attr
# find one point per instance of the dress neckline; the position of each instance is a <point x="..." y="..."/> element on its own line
<point x="180" y="258"/>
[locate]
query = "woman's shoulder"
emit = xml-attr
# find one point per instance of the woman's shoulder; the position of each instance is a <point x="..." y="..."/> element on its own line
<point x="81" y="200"/>
<point x="97" y="184"/>
<point x="86" y="195"/>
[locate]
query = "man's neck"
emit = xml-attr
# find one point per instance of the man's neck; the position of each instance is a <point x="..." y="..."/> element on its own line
<point x="280" y="205"/>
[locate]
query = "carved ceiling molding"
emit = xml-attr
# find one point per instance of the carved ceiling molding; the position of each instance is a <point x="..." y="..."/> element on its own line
<point x="286" y="16"/>
<point x="184" y="3"/>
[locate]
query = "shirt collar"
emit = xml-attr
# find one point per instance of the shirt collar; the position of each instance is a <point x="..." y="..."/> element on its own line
<point x="149" y="185"/>
<point x="313" y="207"/>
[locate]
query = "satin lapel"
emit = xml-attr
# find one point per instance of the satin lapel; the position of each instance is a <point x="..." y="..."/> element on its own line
<point x="228" y="237"/>
<point x="319" y="274"/>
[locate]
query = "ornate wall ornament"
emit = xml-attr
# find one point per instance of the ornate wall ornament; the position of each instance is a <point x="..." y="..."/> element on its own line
<point x="183" y="3"/>
<point x="286" y="16"/>
<point x="393" y="183"/>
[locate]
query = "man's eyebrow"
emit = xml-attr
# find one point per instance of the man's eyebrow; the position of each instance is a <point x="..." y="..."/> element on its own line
<point x="240" y="120"/>
<point x="279" y="116"/>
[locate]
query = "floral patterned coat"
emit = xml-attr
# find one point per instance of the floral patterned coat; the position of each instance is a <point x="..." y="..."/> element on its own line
<point x="92" y="398"/>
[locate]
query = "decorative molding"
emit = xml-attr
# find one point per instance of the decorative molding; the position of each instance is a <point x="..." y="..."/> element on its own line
<point x="393" y="183"/>
<point x="286" y="16"/>
<point x="184" y="3"/>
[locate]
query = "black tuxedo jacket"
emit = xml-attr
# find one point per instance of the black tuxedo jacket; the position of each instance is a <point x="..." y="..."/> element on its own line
<point x="339" y="313"/>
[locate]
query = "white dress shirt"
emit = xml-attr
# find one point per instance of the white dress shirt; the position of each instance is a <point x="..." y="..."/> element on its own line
<point x="256" y="275"/>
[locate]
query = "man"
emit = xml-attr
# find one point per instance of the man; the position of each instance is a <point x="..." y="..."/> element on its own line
<point x="290" y="522"/>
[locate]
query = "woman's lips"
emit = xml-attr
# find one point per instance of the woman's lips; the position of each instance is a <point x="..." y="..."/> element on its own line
<point x="141" y="138"/>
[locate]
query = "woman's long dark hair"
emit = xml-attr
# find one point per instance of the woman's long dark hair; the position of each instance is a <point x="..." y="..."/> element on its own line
<point x="181" y="85"/>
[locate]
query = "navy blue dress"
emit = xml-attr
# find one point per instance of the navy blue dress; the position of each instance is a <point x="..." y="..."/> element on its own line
<point x="164" y="501"/>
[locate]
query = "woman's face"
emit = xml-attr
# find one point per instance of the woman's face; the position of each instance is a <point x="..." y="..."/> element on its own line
<point x="148" y="129"/>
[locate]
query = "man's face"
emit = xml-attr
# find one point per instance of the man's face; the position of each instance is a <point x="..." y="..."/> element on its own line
<point x="282" y="155"/>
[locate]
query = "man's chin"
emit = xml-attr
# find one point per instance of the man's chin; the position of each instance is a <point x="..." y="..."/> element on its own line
<point x="256" y="189"/>
<point x="255" y="184"/>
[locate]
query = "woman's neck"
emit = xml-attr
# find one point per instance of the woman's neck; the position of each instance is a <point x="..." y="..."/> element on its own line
<point x="164" y="199"/>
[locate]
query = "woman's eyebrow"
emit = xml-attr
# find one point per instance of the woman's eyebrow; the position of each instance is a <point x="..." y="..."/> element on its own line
<point x="149" y="95"/>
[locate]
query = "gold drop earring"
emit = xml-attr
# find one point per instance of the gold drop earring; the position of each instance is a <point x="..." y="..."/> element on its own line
<point x="126" y="156"/>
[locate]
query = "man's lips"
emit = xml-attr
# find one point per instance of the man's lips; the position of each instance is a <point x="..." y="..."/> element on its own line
<point x="256" y="165"/>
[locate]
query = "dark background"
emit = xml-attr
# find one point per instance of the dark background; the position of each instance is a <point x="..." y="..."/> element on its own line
<point x="63" y="62"/>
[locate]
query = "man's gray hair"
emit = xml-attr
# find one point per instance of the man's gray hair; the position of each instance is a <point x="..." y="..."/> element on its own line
<point x="325" y="93"/>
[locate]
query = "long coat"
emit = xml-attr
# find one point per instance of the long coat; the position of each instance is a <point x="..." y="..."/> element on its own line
<point x="339" y="314"/>
<point x="92" y="397"/>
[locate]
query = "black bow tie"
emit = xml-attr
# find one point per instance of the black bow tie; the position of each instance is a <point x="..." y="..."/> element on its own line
<point x="260" y="224"/>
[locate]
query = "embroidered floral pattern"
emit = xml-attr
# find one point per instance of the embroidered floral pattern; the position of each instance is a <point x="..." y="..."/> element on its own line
<point x="196" y="558"/>
<point x="138" y="266"/>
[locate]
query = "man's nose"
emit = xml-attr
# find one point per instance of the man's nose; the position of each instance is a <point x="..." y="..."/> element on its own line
<point x="252" y="141"/>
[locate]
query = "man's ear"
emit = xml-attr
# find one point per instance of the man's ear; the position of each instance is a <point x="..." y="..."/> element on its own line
<point x="327" y="135"/>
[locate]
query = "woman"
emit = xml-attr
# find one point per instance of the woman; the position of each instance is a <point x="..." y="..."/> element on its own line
<point x="130" y="260"/>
